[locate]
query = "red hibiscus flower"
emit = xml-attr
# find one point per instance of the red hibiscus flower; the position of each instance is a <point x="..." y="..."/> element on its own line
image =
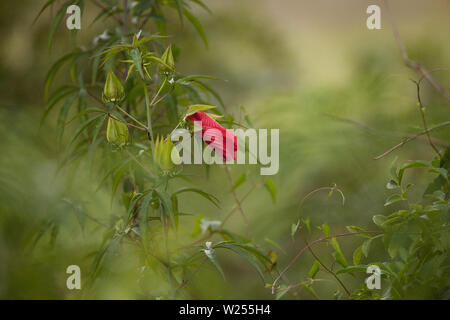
<point x="221" y="140"/>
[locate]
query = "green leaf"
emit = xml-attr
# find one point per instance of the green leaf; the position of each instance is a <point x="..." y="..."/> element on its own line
<point x="392" y="185"/>
<point x="137" y="59"/>
<point x="98" y="126"/>
<point x="54" y="69"/>
<point x="179" y="6"/>
<point x="353" y="269"/>
<point x="78" y="210"/>
<point x="166" y="202"/>
<point x="357" y="255"/>
<point x="240" y="180"/>
<point x="100" y="256"/>
<point x="366" y="247"/>
<point x="412" y="164"/>
<point x="338" y="255"/>
<point x="147" y="39"/>
<point x="201" y="4"/>
<point x="207" y="89"/>
<point x="396" y="243"/>
<point x="198" y="107"/>
<point x="83" y="127"/>
<point x="394" y="171"/>
<point x="197" y="25"/>
<point x="294" y="228"/>
<point x="45" y="6"/>
<point x="85" y="112"/>
<point x="110" y="172"/>
<point x="117" y="178"/>
<point x="231" y="236"/>
<point x="310" y="290"/>
<point x="358" y="229"/>
<point x="194" y="77"/>
<point x="314" y="269"/>
<point x="63" y="116"/>
<point x="143" y="218"/>
<point x="56" y="20"/>
<point x="308" y="225"/>
<point x="271" y="187"/>
<point x="281" y="292"/>
<point x="274" y="244"/>
<point x="213" y="258"/>
<point x="326" y="230"/>
<point x="244" y="252"/>
<point x="393" y="199"/>
<point x="204" y="194"/>
<point x="379" y="219"/>
<point x="55" y="98"/>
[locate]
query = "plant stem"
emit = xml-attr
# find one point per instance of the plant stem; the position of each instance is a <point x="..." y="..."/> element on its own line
<point x="149" y="116"/>
<point x="413" y="64"/>
<point x="236" y="199"/>
<point x="140" y="164"/>
<point x="157" y="93"/>
<point x="401" y="144"/>
<point x="132" y="118"/>
<point x="422" y="113"/>
<point x="327" y="269"/>
<point x="310" y="244"/>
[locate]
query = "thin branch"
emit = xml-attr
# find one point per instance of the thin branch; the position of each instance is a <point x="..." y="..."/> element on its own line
<point x="209" y="235"/>
<point x="236" y="207"/>
<point x="132" y="118"/>
<point x="320" y="189"/>
<point x="309" y="245"/>
<point x="378" y="131"/>
<point x="146" y="20"/>
<point x="184" y="281"/>
<point x="154" y="99"/>
<point x="140" y="164"/>
<point x="413" y="64"/>
<point x="163" y="97"/>
<point x="408" y="139"/>
<point x="327" y="269"/>
<point x="128" y="124"/>
<point x="422" y="113"/>
<point x="310" y="281"/>
<point x="236" y="199"/>
<point x="96" y="220"/>
<point x="98" y="4"/>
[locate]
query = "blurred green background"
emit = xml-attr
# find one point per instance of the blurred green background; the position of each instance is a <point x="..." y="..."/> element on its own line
<point x="337" y="91"/>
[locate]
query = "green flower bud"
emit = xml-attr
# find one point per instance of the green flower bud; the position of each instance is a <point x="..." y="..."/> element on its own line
<point x="162" y="155"/>
<point x="167" y="58"/>
<point x="116" y="132"/>
<point x="113" y="90"/>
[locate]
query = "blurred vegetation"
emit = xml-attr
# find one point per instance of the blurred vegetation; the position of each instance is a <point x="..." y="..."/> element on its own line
<point x="333" y="122"/>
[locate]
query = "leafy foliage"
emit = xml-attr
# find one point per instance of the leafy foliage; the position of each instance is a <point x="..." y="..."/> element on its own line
<point x="415" y="238"/>
<point x="124" y="99"/>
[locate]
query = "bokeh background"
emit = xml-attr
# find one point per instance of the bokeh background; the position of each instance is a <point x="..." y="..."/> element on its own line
<point x="337" y="91"/>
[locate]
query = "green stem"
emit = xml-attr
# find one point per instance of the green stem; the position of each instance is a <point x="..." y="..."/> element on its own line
<point x="149" y="116"/>
<point x="131" y="117"/>
<point x="159" y="91"/>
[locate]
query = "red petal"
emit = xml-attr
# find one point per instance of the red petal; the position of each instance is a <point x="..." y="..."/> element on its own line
<point x="227" y="136"/>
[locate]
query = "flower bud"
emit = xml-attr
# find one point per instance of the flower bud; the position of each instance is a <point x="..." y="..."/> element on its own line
<point x="162" y="154"/>
<point x="113" y="90"/>
<point x="116" y="132"/>
<point x="167" y="58"/>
